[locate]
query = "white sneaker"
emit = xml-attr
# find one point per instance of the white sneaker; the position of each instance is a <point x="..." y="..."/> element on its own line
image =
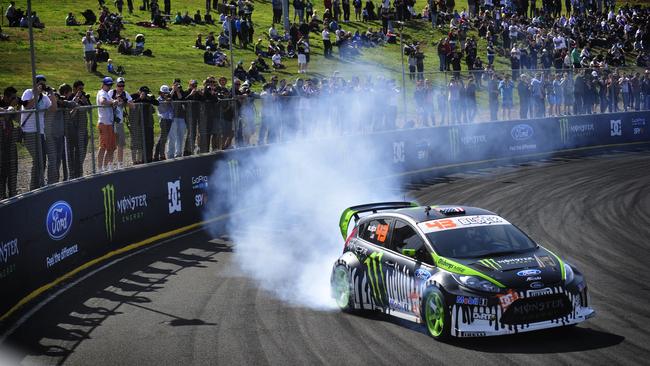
<point x="120" y="165"/>
<point x="109" y="167"/>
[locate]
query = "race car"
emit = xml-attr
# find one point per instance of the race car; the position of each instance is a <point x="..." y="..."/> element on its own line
<point x="461" y="271"/>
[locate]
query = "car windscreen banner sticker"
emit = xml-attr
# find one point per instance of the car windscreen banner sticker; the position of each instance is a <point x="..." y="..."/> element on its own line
<point x="461" y="222"/>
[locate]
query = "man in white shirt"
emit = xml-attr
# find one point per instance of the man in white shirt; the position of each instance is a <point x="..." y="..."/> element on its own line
<point x="327" y="44"/>
<point x="34" y="134"/>
<point x="123" y="98"/>
<point x="89" y="49"/>
<point x="105" y="125"/>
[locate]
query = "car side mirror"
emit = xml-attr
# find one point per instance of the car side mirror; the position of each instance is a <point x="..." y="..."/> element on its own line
<point x="409" y="252"/>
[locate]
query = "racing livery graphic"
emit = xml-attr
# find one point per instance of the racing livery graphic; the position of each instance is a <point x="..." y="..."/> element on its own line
<point x="461" y="271"/>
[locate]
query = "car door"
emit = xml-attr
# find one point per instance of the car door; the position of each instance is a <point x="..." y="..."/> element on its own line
<point x="375" y="235"/>
<point x="407" y="264"/>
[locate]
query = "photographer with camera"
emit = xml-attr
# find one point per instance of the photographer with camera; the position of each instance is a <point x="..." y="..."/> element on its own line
<point x="76" y="132"/>
<point x="122" y="98"/>
<point x="141" y="126"/>
<point x="9" y="137"/>
<point x="55" y="132"/>
<point x="165" y="117"/>
<point x="39" y="100"/>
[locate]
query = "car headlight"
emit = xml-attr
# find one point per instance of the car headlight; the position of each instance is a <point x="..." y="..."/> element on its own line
<point x="476" y="283"/>
<point x="568" y="272"/>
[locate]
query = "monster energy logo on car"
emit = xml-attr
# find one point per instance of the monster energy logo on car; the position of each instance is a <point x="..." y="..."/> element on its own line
<point x="374" y="268"/>
<point x="490" y="263"/>
<point x="454" y="141"/>
<point x="233" y="169"/>
<point x="564" y="129"/>
<point x="109" y="210"/>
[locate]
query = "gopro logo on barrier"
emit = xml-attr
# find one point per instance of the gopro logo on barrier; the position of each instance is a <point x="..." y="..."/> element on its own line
<point x="615" y="127"/>
<point x="174" y="196"/>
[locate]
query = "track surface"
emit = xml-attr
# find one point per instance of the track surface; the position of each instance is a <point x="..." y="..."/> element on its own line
<point x="184" y="302"/>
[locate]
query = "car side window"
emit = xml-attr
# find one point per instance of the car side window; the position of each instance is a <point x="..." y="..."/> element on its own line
<point x="376" y="231"/>
<point x="405" y="237"/>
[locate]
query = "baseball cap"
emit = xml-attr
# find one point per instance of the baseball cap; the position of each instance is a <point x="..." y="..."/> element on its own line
<point x="40" y="78"/>
<point x="107" y="80"/>
<point x="164" y="89"/>
<point x="145" y="89"/>
<point x="120" y="80"/>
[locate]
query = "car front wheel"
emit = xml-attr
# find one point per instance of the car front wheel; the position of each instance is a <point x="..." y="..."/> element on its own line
<point x="436" y="315"/>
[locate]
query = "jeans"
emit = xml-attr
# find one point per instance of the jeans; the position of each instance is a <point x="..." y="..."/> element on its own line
<point x="38" y="162"/>
<point x="54" y="158"/>
<point x="176" y="138"/>
<point x="434" y="20"/>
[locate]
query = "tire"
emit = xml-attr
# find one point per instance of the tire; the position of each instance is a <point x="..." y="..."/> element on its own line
<point x="436" y="317"/>
<point x="342" y="288"/>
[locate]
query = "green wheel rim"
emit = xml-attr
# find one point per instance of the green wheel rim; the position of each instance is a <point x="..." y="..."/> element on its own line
<point x="434" y="313"/>
<point x="342" y="287"/>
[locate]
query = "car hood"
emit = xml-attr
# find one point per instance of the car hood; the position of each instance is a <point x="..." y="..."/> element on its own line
<point x="532" y="270"/>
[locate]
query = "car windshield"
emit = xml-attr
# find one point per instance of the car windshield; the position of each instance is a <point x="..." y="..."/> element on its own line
<point x="480" y="241"/>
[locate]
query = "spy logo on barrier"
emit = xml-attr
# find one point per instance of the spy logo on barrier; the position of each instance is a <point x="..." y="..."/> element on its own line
<point x="174" y="196"/>
<point x="615" y="127"/>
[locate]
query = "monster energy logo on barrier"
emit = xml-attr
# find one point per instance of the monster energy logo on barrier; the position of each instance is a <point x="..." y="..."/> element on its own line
<point x="374" y="268"/>
<point x="109" y="210"/>
<point x="233" y="168"/>
<point x="564" y="129"/>
<point x="454" y="141"/>
<point x="490" y="263"/>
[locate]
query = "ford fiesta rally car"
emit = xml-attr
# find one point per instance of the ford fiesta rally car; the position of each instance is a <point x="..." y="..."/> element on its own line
<point x="462" y="271"/>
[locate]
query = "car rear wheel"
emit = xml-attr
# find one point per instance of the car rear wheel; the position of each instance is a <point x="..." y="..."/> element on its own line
<point x="341" y="288"/>
<point x="436" y="316"/>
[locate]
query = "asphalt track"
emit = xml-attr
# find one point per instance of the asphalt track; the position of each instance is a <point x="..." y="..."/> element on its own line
<point x="185" y="302"/>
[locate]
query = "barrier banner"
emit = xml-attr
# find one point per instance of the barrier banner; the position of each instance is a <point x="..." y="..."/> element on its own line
<point x="52" y="231"/>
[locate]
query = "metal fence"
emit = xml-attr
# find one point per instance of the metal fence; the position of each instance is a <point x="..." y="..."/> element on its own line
<point x="70" y="143"/>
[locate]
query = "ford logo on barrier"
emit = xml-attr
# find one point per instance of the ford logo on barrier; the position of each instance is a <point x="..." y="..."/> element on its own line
<point x="59" y="220"/>
<point x="422" y="274"/>
<point x="521" y="132"/>
<point x="528" y="272"/>
<point x="536" y="285"/>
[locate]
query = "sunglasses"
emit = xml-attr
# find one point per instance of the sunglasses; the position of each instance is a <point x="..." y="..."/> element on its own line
<point x="120" y="85"/>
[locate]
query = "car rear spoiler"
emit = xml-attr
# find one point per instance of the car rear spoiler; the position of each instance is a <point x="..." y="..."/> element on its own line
<point x="354" y="211"/>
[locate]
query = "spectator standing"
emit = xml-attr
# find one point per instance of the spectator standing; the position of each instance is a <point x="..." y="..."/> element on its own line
<point x="177" y="130"/>
<point x="299" y="10"/>
<point x="194" y="96"/>
<point x="506" y="88"/>
<point x="9" y="135"/>
<point x="89" y="43"/>
<point x="567" y="93"/>
<point x="523" y="91"/>
<point x="419" y="62"/>
<point x="346" y="10"/>
<point x="626" y="89"/>
<point x="76" y="132"/>
<point x="578" y="92"/>
<point x="43" y="100"/>
<point x="327" y="43"/>
<point x="537" y="95"/>
<point x="142" y="126"/>
<point x="645" y="90"/>
<point x="123" y="99"/>
<point x="276" y="5"/>
<point x="165" y="117"/>
<point x="635" y="89"/>
<point x="455" y="89"/>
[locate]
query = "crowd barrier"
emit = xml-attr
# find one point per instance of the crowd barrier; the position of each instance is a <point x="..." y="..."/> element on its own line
<point x="54" y="231"/>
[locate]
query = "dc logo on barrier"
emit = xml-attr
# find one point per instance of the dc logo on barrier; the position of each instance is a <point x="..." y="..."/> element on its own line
<point x="174" y="196"/>
<point x="398" y="152"/>
<point x="59" y="220"/>
<point x="615" y="129"/>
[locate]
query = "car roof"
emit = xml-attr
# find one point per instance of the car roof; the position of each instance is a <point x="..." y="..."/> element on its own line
<point x="422" y="214"/>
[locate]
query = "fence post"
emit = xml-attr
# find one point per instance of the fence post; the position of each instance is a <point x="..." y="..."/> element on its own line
<point x="92" y="139"/>
<point x="142" y="133"/>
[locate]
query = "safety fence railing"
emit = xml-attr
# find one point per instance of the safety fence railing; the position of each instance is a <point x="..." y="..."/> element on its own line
<point x="68" y="143"/>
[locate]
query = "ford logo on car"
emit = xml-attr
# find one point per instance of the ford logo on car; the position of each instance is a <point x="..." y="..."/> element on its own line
<point x="521" y="132"/>
<point x="536" y="285"/>
<point x="59" y="220"/>
<point x="422" y="274"/>
<point x="528" y="272"/>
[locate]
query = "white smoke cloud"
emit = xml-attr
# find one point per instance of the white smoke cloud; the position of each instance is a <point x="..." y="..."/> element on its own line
<point x="289" y="238"/>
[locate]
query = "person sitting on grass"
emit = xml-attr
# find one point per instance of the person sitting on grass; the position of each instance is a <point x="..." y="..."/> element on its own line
<point x="224" y="42"/>
<point x="261" y="64"/>
<point x="199" y="42"/>
<point x="277" y="61"/>
<point x="71" y="21"/>
<point x="220" y="58"/>
<point x="254" y="73"/>
<point x="239" y="72"/>
<point x="110" y="68"/>
<point x="178" y="19"/>
<point x="208" y="56"/>
<point x="208" y="18"/>
<point x="197" y="18"/>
